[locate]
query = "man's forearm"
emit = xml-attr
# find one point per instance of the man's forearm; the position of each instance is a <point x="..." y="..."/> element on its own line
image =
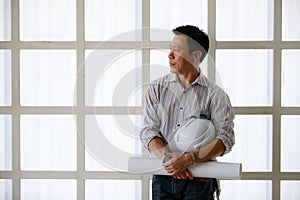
<point x="158" y="147"/>
<point x="210" y="151"/>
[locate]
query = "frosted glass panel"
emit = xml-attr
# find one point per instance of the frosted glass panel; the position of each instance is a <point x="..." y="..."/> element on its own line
<point x="5" y="20"/>
<point x="290" y="190"/>
<point x="246" y="190"/>
<point x="5" y="142"/>
<point x="150" y="189"/>
<point x="244" y="20"/>
<point x="253" y="147"/>
<point x="110" y="140"/>
<point x="109" y="18"/>
<point x="32" y="189"/>
<point x="5" y="189"/>
<point x="47" y="77"/>
<point x="48" y="142"/>
<point x="93" y="163"/>
<point x="290" y="78"/>
<point x="44" y="20"/>
<point x="159" y="64"/>
<point x="290" y="158"/>
<point x="246" y="75"/>
<point x="5" y="77"/>
<point x="113" y="78"/>
<point x="290" y="23"/>
<point x="168" y="14"/>
<point x="113" y="189"/>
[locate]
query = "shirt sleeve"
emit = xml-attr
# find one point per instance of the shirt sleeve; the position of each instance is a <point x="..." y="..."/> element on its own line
<point x="222" y="116"/>
<point x="151" y="122"/>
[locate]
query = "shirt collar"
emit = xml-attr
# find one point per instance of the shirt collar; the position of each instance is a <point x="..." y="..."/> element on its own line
<point x="201" y="79"/>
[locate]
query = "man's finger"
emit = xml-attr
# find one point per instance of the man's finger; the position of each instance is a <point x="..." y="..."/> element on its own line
<point x="188" y="174"/>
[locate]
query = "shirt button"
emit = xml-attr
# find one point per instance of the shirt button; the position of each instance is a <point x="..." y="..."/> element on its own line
<point x="181" y="108"/>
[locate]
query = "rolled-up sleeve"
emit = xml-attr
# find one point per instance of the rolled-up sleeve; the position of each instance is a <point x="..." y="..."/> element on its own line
<point x="222" y="116"/>
<point x="151" y="121"/>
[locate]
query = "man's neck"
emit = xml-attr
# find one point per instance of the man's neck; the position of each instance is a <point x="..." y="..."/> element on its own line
<point x="187" y="79"/>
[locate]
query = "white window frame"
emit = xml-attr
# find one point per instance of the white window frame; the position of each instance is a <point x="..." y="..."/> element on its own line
<point x="80" y="45"/>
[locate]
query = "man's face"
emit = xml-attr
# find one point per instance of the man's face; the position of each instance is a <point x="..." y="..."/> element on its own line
<point x="180" y="59"/>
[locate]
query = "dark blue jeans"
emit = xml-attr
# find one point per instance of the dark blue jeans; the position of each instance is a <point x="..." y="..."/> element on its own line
<point x="166" y="187"/>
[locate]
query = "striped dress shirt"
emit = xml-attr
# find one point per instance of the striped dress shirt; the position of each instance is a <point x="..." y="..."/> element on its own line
<point x="168" y="104"/>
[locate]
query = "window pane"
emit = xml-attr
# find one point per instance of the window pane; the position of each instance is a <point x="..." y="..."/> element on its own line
<point x="6" y="189"/>
<point x="47" y="77"/>
<point x="113" y="78"/>
<point x="48" y="142"/>
<point x="246" y="75"/>
<point x="45" y="20"/>
<point x="168" y="14"/>
<point x="5" y="20"/>
<point x="253" y="147"/>
<point x="32" y="189"/>
<point x="290" y="79"/>
<point x="113" y="189"/>
<point x="290" y="23"/>
<point x="290" y="159"/>
<point x="159" y="63"/>
<point x="246" y="190"/>
<point x="93" y="163"/>
<point x="110" y="140"/>
<point x="290" y="190"/>
<point x="5" y="77"/>
<point x="107" y="18"/>
<point x="5" y="142"/>
<point x="244" y="20"/>
<point x="150" y="189"/>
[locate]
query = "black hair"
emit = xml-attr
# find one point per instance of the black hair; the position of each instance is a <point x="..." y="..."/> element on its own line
<point x="197" y="40"/>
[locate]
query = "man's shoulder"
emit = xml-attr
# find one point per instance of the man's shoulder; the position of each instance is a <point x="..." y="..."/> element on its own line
<point x="214" y="88"/>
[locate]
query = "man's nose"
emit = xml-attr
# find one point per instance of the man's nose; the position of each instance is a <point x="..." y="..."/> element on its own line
<point x="171" y="54"/>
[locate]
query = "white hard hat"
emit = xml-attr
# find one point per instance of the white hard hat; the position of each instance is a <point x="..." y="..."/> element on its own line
<point x="195" y="132"/>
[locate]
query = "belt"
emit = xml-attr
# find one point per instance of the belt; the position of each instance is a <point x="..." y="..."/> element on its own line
<point x="200" y="179"/>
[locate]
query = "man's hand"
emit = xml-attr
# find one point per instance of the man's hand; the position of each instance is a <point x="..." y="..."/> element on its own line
<point x="178" y="165"/>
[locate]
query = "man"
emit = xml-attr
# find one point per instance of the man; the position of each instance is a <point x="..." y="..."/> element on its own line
<point x="170" y="100"/>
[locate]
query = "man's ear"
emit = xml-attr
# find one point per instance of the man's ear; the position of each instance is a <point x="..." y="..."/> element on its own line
<point x="197" y="55"/>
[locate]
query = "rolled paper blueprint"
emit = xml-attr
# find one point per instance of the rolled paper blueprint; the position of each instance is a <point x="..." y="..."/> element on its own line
<point x="210" y="169"/>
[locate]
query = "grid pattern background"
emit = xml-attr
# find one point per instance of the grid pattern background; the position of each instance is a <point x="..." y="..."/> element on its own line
<point x="81" y="110"/>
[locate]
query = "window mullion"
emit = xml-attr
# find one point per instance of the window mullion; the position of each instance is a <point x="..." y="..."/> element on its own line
<point x="80" y="99"/>
<point x="277" y="100"/>
<point x="211" y="71"/>
<point x="16" y="168"/>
